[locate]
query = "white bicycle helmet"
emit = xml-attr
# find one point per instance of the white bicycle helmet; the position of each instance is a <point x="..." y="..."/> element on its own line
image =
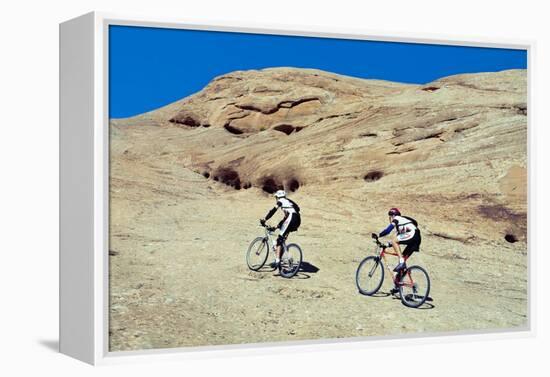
<point x="280" y="194"/>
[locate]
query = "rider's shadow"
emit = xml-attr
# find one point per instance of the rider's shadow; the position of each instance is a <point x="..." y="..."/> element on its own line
<point x="305" y="270"/>
<point x="308" y="267"/>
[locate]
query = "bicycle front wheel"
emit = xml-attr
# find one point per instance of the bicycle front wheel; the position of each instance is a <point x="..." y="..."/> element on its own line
<point x="414" y="287"/>
<point x="256" y="254"/>
<point x="369" y="275"/>
<point x="291" y="261"/>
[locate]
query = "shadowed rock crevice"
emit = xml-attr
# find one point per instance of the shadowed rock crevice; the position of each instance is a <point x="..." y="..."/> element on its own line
<point x="350" y="115"/>
<point x="521" y="109"/>
<point x="287" y="128"/>
<point x="466" y="127"/>
<point x="373" y="175"/>
<point x="290" y="104"/>
<point x="251" y="107"/>
<point x="270" y="185"/>
<point x="511" y="238"/>
<point x="233" y="130"/>
<point x="228" y="176"/>
<point x="430" y="88"/>
<point x="268" y="109"/>
<point x="186" y="119"/>
<point x="292" y="184"/>
<point x="435" y="135"/>
<point x="368" y="134"/>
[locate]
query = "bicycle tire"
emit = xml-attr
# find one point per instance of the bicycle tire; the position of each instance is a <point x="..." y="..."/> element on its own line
<point x="370" y="267"/>
<point x="262" y="254"/>
<point x="296" y="262"/>
<point x="415" y="299"/>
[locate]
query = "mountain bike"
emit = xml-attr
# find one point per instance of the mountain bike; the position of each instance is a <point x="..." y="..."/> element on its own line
<point x="413" y="282"/>
<point x="259" y="249"/>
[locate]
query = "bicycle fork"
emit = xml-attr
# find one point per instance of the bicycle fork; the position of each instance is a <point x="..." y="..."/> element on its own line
<point x="371" y="272"/>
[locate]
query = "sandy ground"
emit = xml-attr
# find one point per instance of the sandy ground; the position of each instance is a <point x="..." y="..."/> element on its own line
<point x="178" y="275"/>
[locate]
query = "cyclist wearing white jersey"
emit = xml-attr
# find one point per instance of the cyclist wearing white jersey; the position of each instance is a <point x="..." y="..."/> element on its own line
<point x="406" y="233"/>
<point x="290" y="223"/>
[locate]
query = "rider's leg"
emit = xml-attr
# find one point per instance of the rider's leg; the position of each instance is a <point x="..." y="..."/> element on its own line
<point x="395" y="243"/>
<point x="280" y="240"/>
<point x="278" y="253"/>
<point x="284" y="229"/>
<point x="397" y="248"/>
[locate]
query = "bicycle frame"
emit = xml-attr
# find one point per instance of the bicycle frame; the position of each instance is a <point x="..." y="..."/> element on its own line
<point x="382" y="252"/>
<point x="271" y="242"/>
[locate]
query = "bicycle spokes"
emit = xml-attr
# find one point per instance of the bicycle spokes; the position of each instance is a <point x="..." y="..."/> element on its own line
<point x="414" y="287"/>
<point x="291" y="260"/>
<point x="259" y="248"/>
<point x="287" y="262"/>
<point x="369" y="275"/>
<point x="257" y="254"/>
<point x="373" y="269"/>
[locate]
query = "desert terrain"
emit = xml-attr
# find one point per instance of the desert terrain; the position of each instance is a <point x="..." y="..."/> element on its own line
<point x="189" y="181"/>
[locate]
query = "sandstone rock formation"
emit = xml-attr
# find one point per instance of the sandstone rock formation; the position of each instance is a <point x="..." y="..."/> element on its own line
<point x="459" y="137"/>
<point x="451" y="153"/>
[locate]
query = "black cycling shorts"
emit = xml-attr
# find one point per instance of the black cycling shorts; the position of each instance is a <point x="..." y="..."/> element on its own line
<point x="293" y="225"/>
<point x="413" y="244"/>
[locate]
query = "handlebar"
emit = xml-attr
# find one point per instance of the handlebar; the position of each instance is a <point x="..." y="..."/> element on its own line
<point x="377" y="241"/>
<point x="269" y="228"/>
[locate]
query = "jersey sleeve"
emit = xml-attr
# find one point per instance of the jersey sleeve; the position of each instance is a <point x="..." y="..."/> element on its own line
<point x="272" y="212"/>
<point x="386" y="231"/>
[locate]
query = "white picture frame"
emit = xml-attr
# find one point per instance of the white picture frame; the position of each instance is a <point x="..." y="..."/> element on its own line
<point x="84" y="172"/>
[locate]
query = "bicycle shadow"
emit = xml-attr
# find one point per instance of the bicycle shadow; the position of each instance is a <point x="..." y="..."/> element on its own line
<point x="309" y="268"/>
<point x="427" y="305"/>
<point x="305" y="271"/>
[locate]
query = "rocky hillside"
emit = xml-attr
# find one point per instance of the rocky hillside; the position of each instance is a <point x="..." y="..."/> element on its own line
<point x="188" y="183"/>
<point x="459" y="140"/>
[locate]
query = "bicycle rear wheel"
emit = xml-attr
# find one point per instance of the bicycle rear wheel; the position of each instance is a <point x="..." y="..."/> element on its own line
<point x="414" y="287"/>
<point x="256" y="254"/>
<point x="369" y="275"/>
<point x="291" y="261"/>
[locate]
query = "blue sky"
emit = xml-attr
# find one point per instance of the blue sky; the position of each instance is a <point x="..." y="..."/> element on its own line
<point x="152" y="67"/>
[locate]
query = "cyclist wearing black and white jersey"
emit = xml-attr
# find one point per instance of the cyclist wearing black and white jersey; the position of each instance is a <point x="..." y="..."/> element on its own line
<point x="406" y="233"/>
<point x="290" y="222"/>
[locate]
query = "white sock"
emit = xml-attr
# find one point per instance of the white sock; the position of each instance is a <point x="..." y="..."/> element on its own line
<point x="401" y="260"/>
<point x="277" y="260"/>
